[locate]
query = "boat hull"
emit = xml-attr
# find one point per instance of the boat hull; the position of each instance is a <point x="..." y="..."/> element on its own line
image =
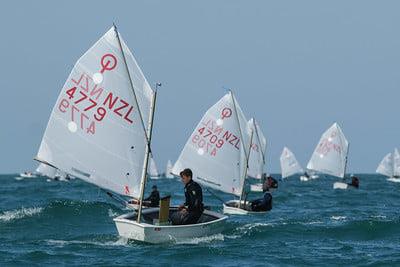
<point x="394" y="180"/>
<point x="340" y="185"/>
<point x="231" y="207"/>
<point x="304" y="178"/>
<point x="151" y="233"/>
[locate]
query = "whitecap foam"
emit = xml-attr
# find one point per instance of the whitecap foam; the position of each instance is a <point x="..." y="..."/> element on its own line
<point x="199" y="240"/>
<point x="112" y="213"/>
<point x="61" y="243"/>
<point x="338" y="218"/>
<point x="7" y="216"/>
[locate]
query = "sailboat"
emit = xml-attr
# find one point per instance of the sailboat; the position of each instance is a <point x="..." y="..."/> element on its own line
<point x="289" y="164"/>
<point x="330" y="155"/>
<point x="218" y="150"/>
<point x="100" y="131"/>
<point x="168" y="170"/>
<point x="153" y="172"/>
<point x="257" y="155"/>
<point x="390" y="166"/>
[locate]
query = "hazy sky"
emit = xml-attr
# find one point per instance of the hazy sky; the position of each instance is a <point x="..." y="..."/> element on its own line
<point x="297" y="66"/>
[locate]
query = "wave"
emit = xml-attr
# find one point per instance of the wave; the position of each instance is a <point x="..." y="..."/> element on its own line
<point x="200" y="240"/>
<point x="11" y="215"/>
<point x="121" y="241"/>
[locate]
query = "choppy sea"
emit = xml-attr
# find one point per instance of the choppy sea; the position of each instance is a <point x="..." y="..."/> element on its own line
<point x="70" y="223"/>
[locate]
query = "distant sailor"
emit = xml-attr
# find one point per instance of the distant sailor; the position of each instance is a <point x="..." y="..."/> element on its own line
<point x="269" y="183"/>
<point x="306" y="175"/>
<point x="192" y="209"/>
<point x="354" y="181"/>
<point x="152" y="201"/>
<point x="264" y="203"/>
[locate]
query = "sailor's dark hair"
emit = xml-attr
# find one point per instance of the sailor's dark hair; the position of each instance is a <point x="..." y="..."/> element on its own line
<point x="186" y="172"/>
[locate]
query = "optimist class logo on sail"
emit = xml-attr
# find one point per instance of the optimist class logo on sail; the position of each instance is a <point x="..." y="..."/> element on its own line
<point x="211" y="136"/>
<point x="87" y="103"/>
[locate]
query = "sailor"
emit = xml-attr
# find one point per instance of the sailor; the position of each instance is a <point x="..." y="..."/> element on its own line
<point x="151" y="201"/>
<point x="354" y="181"/>
<point x="154" y="198"/>
<point x="270" y="182"/>
<point x="192" y="209"/>
<point x="264" y="203"/>
<point x="306" y="175"/>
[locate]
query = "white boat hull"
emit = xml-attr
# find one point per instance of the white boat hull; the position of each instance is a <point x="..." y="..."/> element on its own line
<point x="304" y="178"/>
<point x="128" y="227"/>
<point x="27" y="175"/>
<point x="394" y="180"/>
<point x="340" y="185"/>
<point x="231" y="207"/>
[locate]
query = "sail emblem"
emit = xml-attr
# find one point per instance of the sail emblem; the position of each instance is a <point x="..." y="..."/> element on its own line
<point x="107" y="62"/>
<point x="226" y="113"/>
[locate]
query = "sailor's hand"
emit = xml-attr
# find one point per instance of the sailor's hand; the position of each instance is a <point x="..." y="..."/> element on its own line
<point x="181" y="207"/>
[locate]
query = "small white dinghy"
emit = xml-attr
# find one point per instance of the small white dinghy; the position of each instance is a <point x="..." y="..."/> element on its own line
<point x="390" y="166"/>
<point x="168" y="170"/>
<point x="153" y="171"/>
<point x="232" y="207"/>
<point x="27" y="175"/>
<point x="100" y="131"/>
<point x="217" y="150"/>
<point x="289" y="165"/>
<point x="257" y="156"/>
<point x="330" y="155"/>
<point x="149" y="230"/>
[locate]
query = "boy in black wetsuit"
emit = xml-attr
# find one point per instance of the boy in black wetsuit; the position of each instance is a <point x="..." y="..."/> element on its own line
<point x="264" y="203"/>
<point x="192" y="209"/>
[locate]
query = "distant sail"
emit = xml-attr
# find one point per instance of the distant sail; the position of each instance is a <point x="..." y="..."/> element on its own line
<point x="97" y="131"/>
<point x="289" y="163"/>
<point x="257" y="151"/>
<point x="153" y="172"/>
<point x="215" y="151"/>
<point x="330" y="155"/>
<point x="396" y="163"/>
<point x="386" y="166"/>
<point x="168" y="170"/>
<point x="46" y="170"/>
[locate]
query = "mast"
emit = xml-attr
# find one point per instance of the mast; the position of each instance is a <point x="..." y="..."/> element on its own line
<point x="245" y="172"/>
<point x="146" y="133"/>
<point x="243" y="146"/>
<point x="345" y="163"/>
<point x="148" y="151"/>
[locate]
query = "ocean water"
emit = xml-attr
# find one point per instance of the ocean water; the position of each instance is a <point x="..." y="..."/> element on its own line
<point x="70" y="223"/>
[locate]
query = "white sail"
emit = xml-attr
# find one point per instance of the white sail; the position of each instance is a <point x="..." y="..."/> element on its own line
<point x="153" y="172"/>
<point x="257" y="151"/>
<point x="386" y="166"/>
<point x="396" y="163"/>
<point x="168" y="170"/>
<point x="216" y="150"/>
<point x="330" y="155"/>
<point x="46" y="170"/>
<point x="289" y="163"/>
<point x="97" y="131"/>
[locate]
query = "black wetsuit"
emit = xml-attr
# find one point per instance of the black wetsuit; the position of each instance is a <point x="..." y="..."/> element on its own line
<point x="194" y="203"/>
<point x="154" y="199"/>
<point x="354" y="182"/>
<point x="262" y="204"/>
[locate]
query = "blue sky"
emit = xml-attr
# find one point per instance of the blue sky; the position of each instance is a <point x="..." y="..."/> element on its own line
<point x="297" y="66"/>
